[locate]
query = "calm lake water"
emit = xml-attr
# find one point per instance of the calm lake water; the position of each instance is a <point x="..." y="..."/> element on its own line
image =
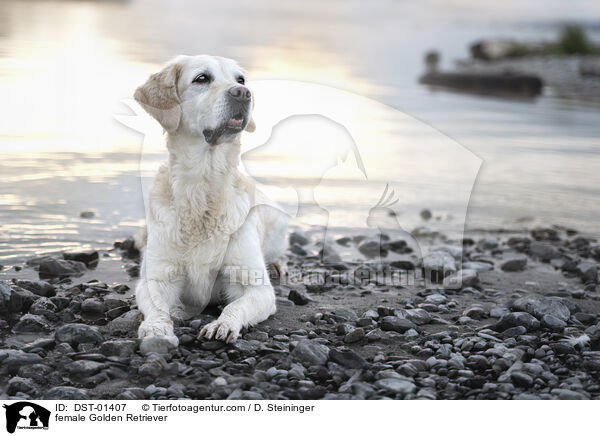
<point x="66" y="66"/>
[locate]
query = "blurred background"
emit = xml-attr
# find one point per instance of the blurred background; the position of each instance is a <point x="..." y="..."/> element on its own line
<point x="65" y="67"/>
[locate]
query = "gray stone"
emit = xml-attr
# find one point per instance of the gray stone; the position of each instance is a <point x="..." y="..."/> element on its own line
<point x="515" y="264"/>
<point x="563" y="348"/>
<point x="371" y="248"/>
<point x="521" y="380"/>
<point x="152" y="367"/>
<point x="126" y="323"/>
<point x="24" y="385"/>
<point x="418" y="316"/>
<point x="436" y="299"/>
<point x="348" y="359"/>
<point x="567" y="394"/>
<point x="90" y="258"/>
<point x="75" y="334"/>
<point x="39" y="287"/>
<point x="355" y="335"/>
<point x="543" y="251"/>
<point x="553" y="323"/>
<point x="11" y="300"/>
<point x="588" y="271"/>
<point x="396" y="324"/>
<point x="437" y="265"/>
<point x="43" y="306"/>
<point x="32" y="324"/>
<point x="310" y="353"/>
<point x="299" y="238"/>
<point x="344" y="315"/>
<point x="539" y="307"/>
<point x="475" y="311"/>
<point x="66" y="393"/>
<point x="12" y="360"/>
<point x="396" y="385"/>
<point x="62" y="268"/>
<point x="119" y="347"/>
<point x="93" y="306"/>
<point x="515" y="319"/>
<point x="299" y="298"/>
<point x="478" y="266"/>
<point x="85" y="368"/>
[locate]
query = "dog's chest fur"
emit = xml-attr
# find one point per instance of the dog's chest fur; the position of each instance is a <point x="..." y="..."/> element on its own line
<point x="199" y="214"/>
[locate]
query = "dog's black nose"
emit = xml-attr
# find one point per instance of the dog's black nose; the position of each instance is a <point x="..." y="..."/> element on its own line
<point x="240" y="93"/>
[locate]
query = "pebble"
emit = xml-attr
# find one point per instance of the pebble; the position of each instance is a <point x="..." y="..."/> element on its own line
<point x="84" y="368"/>
<point x="93" y="306"/>
<point x="76" y="334"/>
<point x="437" y="265"/>
<point x="31" y="324"/>
<point x="348" y="359"/>
<point x="65" y="393"/>
<point x="310" y="352"/>
<point x="543" y="251"/>
<point x="299" y="238"/>
<point x="514" y="264"/>
<point x="553" y="323"/>
<point x="119" y="347"/>
<point x="371" y="248"/>
<point x="588" y="271"/>
<point x="475" y="311"/>
<point x="539" y="307"/>
<point x="515" y="319"/>
<point x="418" y="316"/>
<point x="40" y="287"/>
<point x="436" y="299"/>
<point x="355" y="335"/>
<point x="12" y="360"/>
<point x="89" y="258"/>
<point x="298" y="297"/>
<point x="61" y="268"/>
<point x="521" y="380"/>
<point x="396" y="324"/>
<point x="24" y="385"/>
<point x="567" y="394"/>
<point x="396" y="385"/>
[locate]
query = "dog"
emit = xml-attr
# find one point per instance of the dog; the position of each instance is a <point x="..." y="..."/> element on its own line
<point x="210" y="234"/>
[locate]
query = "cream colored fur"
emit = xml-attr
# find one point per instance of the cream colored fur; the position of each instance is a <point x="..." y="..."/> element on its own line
<point x="210" y="233"/>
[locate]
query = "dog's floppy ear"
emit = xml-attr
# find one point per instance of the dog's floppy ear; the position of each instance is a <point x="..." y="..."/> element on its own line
<point x="159" y="97"/>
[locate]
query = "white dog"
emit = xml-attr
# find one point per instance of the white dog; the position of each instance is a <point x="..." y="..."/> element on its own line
<point x="209" y="233"/>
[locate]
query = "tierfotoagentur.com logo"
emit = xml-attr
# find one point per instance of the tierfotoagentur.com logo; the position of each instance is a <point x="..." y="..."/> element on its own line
<point x="25" y="415"/>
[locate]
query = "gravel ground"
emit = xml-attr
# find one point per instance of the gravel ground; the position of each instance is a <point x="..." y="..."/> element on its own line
<point x="523" y="325"/>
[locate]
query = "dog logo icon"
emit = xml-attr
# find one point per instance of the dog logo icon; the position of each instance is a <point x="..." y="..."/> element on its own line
<point x="26" y="415"/>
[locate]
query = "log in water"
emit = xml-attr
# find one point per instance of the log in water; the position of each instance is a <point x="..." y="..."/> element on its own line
<point x="499" y="84"/>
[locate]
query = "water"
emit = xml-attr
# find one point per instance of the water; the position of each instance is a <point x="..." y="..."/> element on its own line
<point x="65" y="67"/>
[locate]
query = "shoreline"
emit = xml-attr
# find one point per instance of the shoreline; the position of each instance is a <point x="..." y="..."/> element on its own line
<point x="523" y="325"/>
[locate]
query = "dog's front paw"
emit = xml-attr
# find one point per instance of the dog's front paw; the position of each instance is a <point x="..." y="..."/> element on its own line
<point x="157" y="337"/>
<point x="220" y="329"/>
<point x="158" y="344"/>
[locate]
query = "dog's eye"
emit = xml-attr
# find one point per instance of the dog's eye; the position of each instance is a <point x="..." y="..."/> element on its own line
<point x="241" y="80"/>
<point x="201" y="78"/>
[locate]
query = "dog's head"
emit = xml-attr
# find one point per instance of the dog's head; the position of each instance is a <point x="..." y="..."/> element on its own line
<point x="204" y="96"/>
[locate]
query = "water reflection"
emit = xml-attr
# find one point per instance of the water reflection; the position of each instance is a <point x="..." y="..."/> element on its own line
<point x="66" y="65"/>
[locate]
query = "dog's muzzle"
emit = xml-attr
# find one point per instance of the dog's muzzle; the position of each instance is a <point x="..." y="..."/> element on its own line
<point x="238" y="102"/>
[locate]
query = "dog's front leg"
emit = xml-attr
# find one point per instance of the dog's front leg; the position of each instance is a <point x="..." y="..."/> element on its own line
<point x="246" y="285"/>
<point x="155" y="297"/>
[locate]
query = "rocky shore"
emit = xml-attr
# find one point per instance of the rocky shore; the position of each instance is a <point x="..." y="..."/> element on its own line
<point x="522" y="325"/>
